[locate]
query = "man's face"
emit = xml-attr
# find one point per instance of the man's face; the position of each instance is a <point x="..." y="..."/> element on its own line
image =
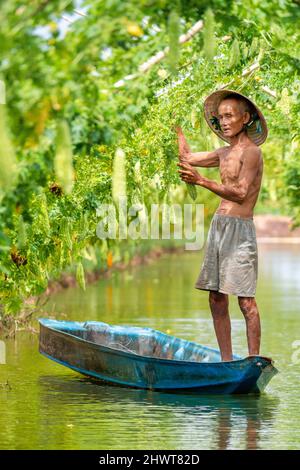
<point x="230" y="117"/>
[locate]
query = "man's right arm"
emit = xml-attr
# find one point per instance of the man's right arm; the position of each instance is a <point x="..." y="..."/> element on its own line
<point x="201" y="159"/>
<point x="204" y="159"/>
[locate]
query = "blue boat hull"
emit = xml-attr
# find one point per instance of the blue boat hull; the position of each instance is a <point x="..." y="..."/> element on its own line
<point x="66" y="343"/>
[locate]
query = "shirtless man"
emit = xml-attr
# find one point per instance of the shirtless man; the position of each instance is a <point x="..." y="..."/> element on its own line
<point x="230" y="260"/>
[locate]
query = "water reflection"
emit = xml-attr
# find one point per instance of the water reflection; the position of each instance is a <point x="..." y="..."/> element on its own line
<point x="220" y="421"/>
<point x="280" y="263"/>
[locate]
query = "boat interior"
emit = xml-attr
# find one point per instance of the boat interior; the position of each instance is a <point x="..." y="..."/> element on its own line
<point x="146" y="342"/>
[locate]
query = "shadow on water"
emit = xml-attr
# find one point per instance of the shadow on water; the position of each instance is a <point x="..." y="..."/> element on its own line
<point x="228" y="411"/>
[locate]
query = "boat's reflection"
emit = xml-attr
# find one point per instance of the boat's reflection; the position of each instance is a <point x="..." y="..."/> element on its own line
<point x="256" y="411"/>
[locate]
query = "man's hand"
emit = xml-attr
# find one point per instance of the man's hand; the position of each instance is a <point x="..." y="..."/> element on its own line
<point x="188" y="174"/>
<point x="183" y="146"/>
<point x="177" y="129"/>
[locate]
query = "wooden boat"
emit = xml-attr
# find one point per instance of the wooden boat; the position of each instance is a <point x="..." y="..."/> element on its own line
<point x="149" y="359"/>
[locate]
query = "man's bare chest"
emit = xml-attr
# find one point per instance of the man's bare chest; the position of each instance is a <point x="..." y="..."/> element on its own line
<point x="230" y="165"/>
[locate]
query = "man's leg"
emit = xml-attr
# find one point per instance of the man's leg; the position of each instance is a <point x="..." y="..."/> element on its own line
<point x="219" y="308"/>
<point x="250" y="311"/>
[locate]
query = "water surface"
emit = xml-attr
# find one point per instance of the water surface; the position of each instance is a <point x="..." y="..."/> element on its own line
<point x="44" y="405"/>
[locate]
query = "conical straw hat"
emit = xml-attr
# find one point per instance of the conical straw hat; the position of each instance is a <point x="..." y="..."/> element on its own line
<point x="257" y="129"/>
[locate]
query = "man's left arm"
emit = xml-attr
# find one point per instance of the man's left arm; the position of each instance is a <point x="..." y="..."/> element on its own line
<point x="238" y="190"/>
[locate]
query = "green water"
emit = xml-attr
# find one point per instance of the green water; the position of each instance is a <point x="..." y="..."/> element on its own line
<point x="47" y="406"/>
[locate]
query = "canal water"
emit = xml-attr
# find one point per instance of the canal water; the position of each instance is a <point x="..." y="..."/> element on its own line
<point x="44" y="405"/>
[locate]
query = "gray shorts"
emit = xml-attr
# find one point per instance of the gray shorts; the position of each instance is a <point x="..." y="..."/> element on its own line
<point x="230" y="258"/>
